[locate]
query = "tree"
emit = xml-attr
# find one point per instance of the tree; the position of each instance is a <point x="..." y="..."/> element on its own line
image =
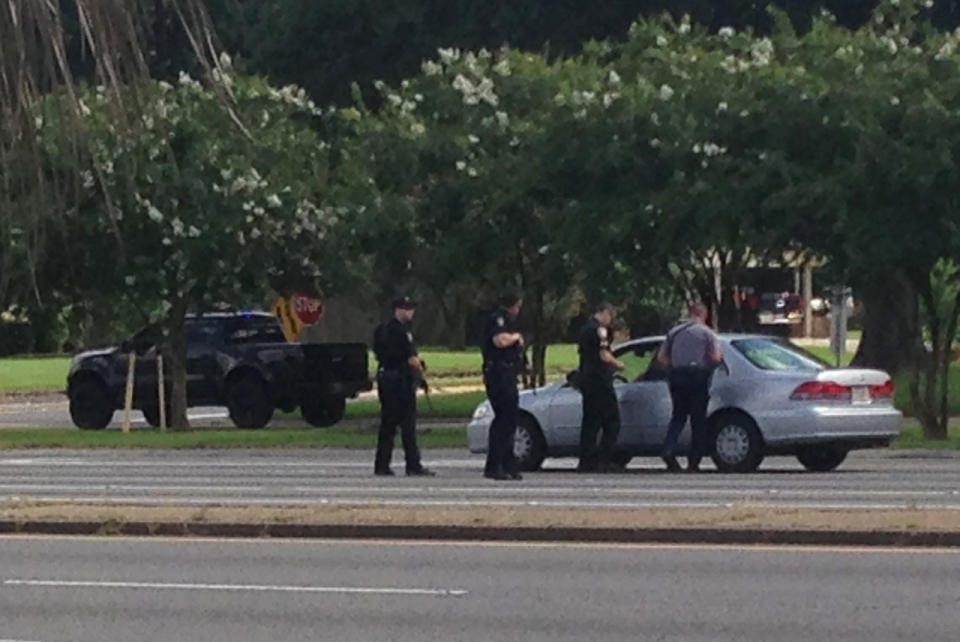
<point x="217" y="194"/>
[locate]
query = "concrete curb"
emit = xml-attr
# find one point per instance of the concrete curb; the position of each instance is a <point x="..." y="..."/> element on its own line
<point x="719" y="536"/>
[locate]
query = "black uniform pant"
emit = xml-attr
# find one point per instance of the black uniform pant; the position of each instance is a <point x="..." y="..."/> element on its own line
<point x="601" y="411"/>
<point x="501" y="385"/>
<point x="690" y="393"/>
<point x="398" y="407"/>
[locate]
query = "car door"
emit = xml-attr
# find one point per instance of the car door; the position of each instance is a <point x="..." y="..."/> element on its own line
<point x="645" y="405"/>
<point x="566" y="416"/>
<point x="203" y="337"/>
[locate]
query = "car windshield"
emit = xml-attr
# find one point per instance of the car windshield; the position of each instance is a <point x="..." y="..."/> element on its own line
<point x="770" y="354"/>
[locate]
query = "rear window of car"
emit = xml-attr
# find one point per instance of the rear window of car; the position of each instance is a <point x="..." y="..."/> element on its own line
<point x="770" y="354"/>
<point x="257" y="331"/>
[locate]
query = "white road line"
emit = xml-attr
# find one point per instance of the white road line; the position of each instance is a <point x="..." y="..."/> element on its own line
<point x="256" y="588"/>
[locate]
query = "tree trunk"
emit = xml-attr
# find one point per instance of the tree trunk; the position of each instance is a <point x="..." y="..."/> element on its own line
<point x="176" y="358"/>
<point x="891" y="326"/>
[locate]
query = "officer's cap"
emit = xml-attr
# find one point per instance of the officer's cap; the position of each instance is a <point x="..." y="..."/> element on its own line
<point x="404" y="303"/>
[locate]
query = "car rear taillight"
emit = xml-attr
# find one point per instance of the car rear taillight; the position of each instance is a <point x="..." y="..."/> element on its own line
<point x="822" y="390"/>
<point x="883" y="391"/>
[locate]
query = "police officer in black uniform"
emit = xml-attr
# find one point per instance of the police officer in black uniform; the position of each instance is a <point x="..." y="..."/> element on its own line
<point x="600" y="408"/>
<point x="502" y="359"/>
<point x="398" y="377"/>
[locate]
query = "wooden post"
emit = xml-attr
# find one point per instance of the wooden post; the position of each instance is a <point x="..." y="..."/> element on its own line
<point x="128" y="398"/>
<point x="161" y="393"/>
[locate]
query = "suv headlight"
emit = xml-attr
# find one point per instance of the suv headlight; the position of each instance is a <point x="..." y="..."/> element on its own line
<point x="482" y="410"/>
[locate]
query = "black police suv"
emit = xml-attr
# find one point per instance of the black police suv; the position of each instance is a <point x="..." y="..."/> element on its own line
<point x="238" y="360"/>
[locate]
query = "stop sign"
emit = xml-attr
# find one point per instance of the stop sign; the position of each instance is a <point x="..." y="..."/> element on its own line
<point x="308" y="308"/>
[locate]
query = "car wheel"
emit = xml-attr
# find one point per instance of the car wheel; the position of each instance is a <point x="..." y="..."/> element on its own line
<point x="737" y="446"/>
<point x="323" y="412"/>
<point x="822" y="459"/>
<point x="90" y="408"/>
<point x="249" y="404"/>
<point x="529" y="446"/>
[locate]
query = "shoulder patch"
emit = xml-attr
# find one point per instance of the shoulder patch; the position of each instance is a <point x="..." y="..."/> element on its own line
<point x="602" y="332"/>
<point x="410" y="337"/>
<point x="501" y="322"/>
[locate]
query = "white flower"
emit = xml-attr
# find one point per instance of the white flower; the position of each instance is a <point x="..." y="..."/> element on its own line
<point x="418" y="98"/>
<point x="395" y="100"/>
<point x="418" y="129"/>
<point x="744" y="113"/>
<point x="662" y="41"/>
<point x="685" y="24"/>
<point x="514" y="142"/>
<point x="193" y="232"/>
<point x="726" y="32"/>
<point x="666" y="92"/>
<point x="614" y="78"/>
<point x="164" y="86"/>
<point x="472" y="173"/>
<point x="502" y="68"/>
<point x="448" y="56"/>
<point x="655" y="143"/>
<point x="154" y="214"/>
<point x="431" y="68"/>
<point x="87" y="177"/>
<point x="502" y="119"/>
<point x="722" y="107"/>
<point x="225" y="60"/>
<point x="461" y="165"/>
<point x="130" y="280"/>
<point x="274" y="201"/>
<point x="610" y="97"/>
<point x="84" y="109"/>
<point x="473" y="139"/>
<point x="655" y="119"/>
<point x="894" y="101"/>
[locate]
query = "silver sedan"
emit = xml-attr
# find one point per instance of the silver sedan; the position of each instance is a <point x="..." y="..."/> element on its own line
<point x="773" y="398"/>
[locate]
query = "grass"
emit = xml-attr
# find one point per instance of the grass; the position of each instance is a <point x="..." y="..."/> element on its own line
<point x="461" y="404"/>
<point x="50" y="373"/>
<point x="433" y="437"/>
<point x="26" y="373"/>
<point x="912" y="437"/>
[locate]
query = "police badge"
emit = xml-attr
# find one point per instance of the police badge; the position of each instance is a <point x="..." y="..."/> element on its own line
<point x="500" y="321"/>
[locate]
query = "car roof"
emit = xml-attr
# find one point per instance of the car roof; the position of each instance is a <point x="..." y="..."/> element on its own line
<point x="723" y="336"/>
<point x="257" y="314"/>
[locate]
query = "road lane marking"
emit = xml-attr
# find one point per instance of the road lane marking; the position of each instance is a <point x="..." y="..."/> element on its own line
<point x="254" y="588"/>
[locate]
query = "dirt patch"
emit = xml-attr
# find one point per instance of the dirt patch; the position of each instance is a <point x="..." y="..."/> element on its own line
<point x="739" y="517"/>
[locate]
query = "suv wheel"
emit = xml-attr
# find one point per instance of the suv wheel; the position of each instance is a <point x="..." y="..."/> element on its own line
<point x="323" y="412"/>
<point x="249" y="404"/>
<point x="90" y="408"/>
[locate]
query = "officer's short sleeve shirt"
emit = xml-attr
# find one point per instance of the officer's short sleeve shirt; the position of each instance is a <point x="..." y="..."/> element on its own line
<point x="394" y="344"/>
<point x="593" y="339"/>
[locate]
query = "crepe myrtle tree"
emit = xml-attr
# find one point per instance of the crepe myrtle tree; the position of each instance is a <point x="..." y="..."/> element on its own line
<point x="500" y="147"/>
<point x="217" y="193"/>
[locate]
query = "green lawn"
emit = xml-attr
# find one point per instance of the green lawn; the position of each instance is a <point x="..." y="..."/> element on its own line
<point x="912" y="437"/>
<point x="41" y="373"/>
<point x="453" y="405"/>
<point x="433" y="437"/>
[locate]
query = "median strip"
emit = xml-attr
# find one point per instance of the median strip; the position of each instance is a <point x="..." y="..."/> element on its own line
<point x="738" y="524"/>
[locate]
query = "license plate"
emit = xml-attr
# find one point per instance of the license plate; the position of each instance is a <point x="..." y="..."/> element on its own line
<point x="860" y="394"/>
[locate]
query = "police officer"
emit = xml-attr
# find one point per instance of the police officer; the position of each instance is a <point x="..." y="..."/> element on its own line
<point x="691" y="351"/>
<point x="398" y="377"/>
<point x="502" y="358"/>
<point x="600" y="408"/>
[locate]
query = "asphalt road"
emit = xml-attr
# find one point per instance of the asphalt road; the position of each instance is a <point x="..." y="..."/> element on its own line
<point x="873" y="479"/>
<point x="100" y="590"/>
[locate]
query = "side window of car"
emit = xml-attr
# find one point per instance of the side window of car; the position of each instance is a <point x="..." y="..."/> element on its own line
<point x="639" y="360"/>
<point x="201" y="332"/>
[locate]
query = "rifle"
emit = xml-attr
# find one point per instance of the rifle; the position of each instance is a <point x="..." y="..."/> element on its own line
<point x="423" y="384"/>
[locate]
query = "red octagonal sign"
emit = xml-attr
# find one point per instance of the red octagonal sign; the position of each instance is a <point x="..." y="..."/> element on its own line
<point x="308" y="308"/>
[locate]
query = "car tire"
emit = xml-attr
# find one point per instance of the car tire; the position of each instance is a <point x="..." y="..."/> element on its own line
<point x="822" y="459"/>
<point x="736" y="445"/>
<point x="323" y="412"/>
<point x="90" y="407"/>
<point x="529" y="446"/>
<point x="249" y="403"/>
